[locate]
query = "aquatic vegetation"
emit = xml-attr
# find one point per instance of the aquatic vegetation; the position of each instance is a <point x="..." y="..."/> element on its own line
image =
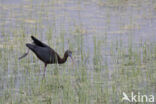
<point x="113" y="45"/>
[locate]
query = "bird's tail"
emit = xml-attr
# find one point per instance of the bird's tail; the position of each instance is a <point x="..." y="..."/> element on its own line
<point x="30" y="46"/>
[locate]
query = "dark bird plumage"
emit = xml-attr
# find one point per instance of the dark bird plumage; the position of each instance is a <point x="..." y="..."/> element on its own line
<point x="45" y="53"/>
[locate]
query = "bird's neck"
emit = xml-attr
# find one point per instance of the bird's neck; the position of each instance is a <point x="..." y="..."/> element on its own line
<point x="62" y="60"/>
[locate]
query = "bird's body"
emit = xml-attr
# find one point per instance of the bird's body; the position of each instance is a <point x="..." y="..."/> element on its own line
<point x="45" y="53"/>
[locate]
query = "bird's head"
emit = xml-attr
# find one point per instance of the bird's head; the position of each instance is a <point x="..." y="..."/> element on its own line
<point x="69" y="53"/>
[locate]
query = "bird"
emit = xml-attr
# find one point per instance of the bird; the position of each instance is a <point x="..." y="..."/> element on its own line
<point x="45" y="53"/>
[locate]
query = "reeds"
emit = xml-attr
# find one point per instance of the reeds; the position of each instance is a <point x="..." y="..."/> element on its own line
<point x="105" y="65"/>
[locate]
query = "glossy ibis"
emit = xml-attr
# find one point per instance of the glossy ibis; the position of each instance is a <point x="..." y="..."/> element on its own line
<point x="45" y="53"/>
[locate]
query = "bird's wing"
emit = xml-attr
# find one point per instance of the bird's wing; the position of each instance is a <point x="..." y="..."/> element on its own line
<point x="38" y="42"/>
<point x="45" y="54"/>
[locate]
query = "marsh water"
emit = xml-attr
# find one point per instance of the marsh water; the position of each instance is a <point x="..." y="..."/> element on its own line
<point x="104" y="35"/>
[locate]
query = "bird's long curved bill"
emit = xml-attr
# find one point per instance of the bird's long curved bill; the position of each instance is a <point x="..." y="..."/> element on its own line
<point x="72" y="59"/>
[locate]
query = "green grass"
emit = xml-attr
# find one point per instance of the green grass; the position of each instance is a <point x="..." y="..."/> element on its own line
<point x="104" y="67"/>
<point x="21" y="81"/>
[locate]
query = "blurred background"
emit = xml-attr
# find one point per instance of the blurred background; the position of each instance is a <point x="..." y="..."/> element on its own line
<point x="113" y="44"/>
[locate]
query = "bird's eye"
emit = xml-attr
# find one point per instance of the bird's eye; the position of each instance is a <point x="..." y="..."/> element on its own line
<point x="70" y="53"/>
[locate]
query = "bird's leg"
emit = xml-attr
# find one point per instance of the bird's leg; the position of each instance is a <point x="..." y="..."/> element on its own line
<point x="24" y="54"/>
<point x="44" y="69"/>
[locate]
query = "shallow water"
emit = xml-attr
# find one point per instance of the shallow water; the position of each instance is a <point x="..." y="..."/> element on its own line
<point x="118" y="29"/>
